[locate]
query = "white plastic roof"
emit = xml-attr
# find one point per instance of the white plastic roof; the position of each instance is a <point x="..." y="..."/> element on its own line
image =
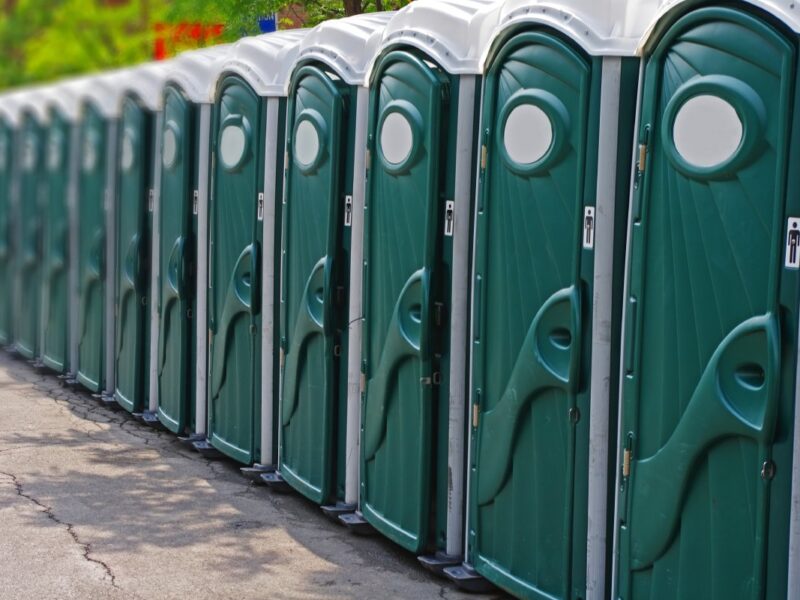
<point x="64" y="97"/>
<point x="146" y="82"/>
<point x="104" y="91"/>
<point x="10" y="107"/>
<point x="265" y="61"/>
<point x="452" y="32"/>
<point x="347" y="45"/>
<point x="196" y="72"/>
<point x="650" y="12"/>
<point x="601" y="27"/>
<point x="32" y="100"/>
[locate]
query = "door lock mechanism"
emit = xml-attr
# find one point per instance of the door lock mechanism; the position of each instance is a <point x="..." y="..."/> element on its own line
<point x="348" y="211"/>
<point x="449" y="217"/>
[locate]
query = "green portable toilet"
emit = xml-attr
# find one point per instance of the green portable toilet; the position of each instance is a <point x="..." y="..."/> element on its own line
<point x="180" y="259"/>
<point x="59" y="177"/>
<point x="247" y="141"/>
<point x="322" y="216"/>
<point x="28" y="223"/>
<point x="707" y="488"/>
<point x="424" y="90"/>
<point x="555" y="148"/>
<point x="139" y="161"/>
<point x="100" y="112"/>
<point x="9" y="122"/>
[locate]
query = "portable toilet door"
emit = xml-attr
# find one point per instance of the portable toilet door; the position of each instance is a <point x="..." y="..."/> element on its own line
<point x="28" y="222"/>
<point x="326" y="139"/>
<point x="99" y="120"/>
<point x="59" y="172"/>
<point x="9" y="118"/>
<point x="248" y="153"/>
<point x="177" y="388"/>
<point x="138" y="160"/>
<point x="711" y="312"/>
<point x="424" y="90"/>
<point x="553" y="186"/>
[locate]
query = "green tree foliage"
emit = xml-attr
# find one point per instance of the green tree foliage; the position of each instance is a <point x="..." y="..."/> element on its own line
<point x="45" y="39"/>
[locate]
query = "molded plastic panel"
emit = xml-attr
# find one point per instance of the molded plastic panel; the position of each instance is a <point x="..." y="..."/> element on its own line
<point x="91" y="249"/>
<point x="400" y="252"/>
<point x="314" y="290"/>
<point x="234" y="287"/>
<point x="526" y="517"/>
<point x="56" y="228"/>
<point x="176" y="277"/>
<point x="710" y="315"/>
<point x="6" y="237"/>
<point x="29" y="227"/>
<point x="133" y="256"/>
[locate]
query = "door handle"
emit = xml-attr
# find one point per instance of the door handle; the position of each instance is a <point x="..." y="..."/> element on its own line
<point x="238" y="299"/>
<point x="548" y="359"/>
<point x="311" y="320"/>
<point x="737" y="395"/>
<point x="94" y="274"/>
<point x="408" y="330"/>
<point x="176" y="282"/>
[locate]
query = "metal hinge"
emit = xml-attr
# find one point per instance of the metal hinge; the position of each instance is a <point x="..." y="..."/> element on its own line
<point x="642" y="164"/>
<point x="449" y="217"/>
<point x="282" y="359"/>
<point x="195" y="201"/>
<point x="261" y="206"/>
<point x="368" y="159"/>
<point x="151" y="200"/>
<point x="476" y="411"/>
<point x="362" y="383"/>
<point x="626" y="462"/>
<point x="348" y="211"/>
<point x="484" y="155"/>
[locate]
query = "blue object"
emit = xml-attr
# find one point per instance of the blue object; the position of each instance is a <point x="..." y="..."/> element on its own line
<point x="268" y="24"/>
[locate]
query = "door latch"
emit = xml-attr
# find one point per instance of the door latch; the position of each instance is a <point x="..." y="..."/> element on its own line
<point x="449" y="217"/>
<point x="348" y="211"/>
<point x="195" y="201"/>
<point x="261" y="206"/>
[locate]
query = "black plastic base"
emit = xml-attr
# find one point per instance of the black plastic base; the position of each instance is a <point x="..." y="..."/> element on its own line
<point x="276" y="483"/>
<point x="440" y="561"/>
<point x="205" y="448"/>
<point x="150" y="419"/>
<point x="255" y="472"/>
<point x="107" y="400"/>
<point x="189" y="440"/>
<point x="334" y="511"/>
<point x="356" y="523"/>
<point x="468" y="579"/>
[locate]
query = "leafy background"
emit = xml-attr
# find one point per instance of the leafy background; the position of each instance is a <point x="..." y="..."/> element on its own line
<point x="41" y="40"/>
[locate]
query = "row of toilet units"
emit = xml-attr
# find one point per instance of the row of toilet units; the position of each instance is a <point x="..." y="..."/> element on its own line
<point x="513" y="283"/>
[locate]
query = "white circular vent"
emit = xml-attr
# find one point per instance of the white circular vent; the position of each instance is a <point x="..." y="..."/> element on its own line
<point x="232" y="144"/>
<point x="29" y="153"/>
<point x="54" y="151"/>
<point x="397" y="138"/>
<point x="707" y="131"/>
<point x="170" y="149"/>
<point x="126" y="159"/>
<point x="306" y="143"/>
<point x="89" y="153"/>
<point x="528" y="134"/>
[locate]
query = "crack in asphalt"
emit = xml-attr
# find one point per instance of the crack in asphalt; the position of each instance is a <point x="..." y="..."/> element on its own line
<point x="86" y="547"/>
